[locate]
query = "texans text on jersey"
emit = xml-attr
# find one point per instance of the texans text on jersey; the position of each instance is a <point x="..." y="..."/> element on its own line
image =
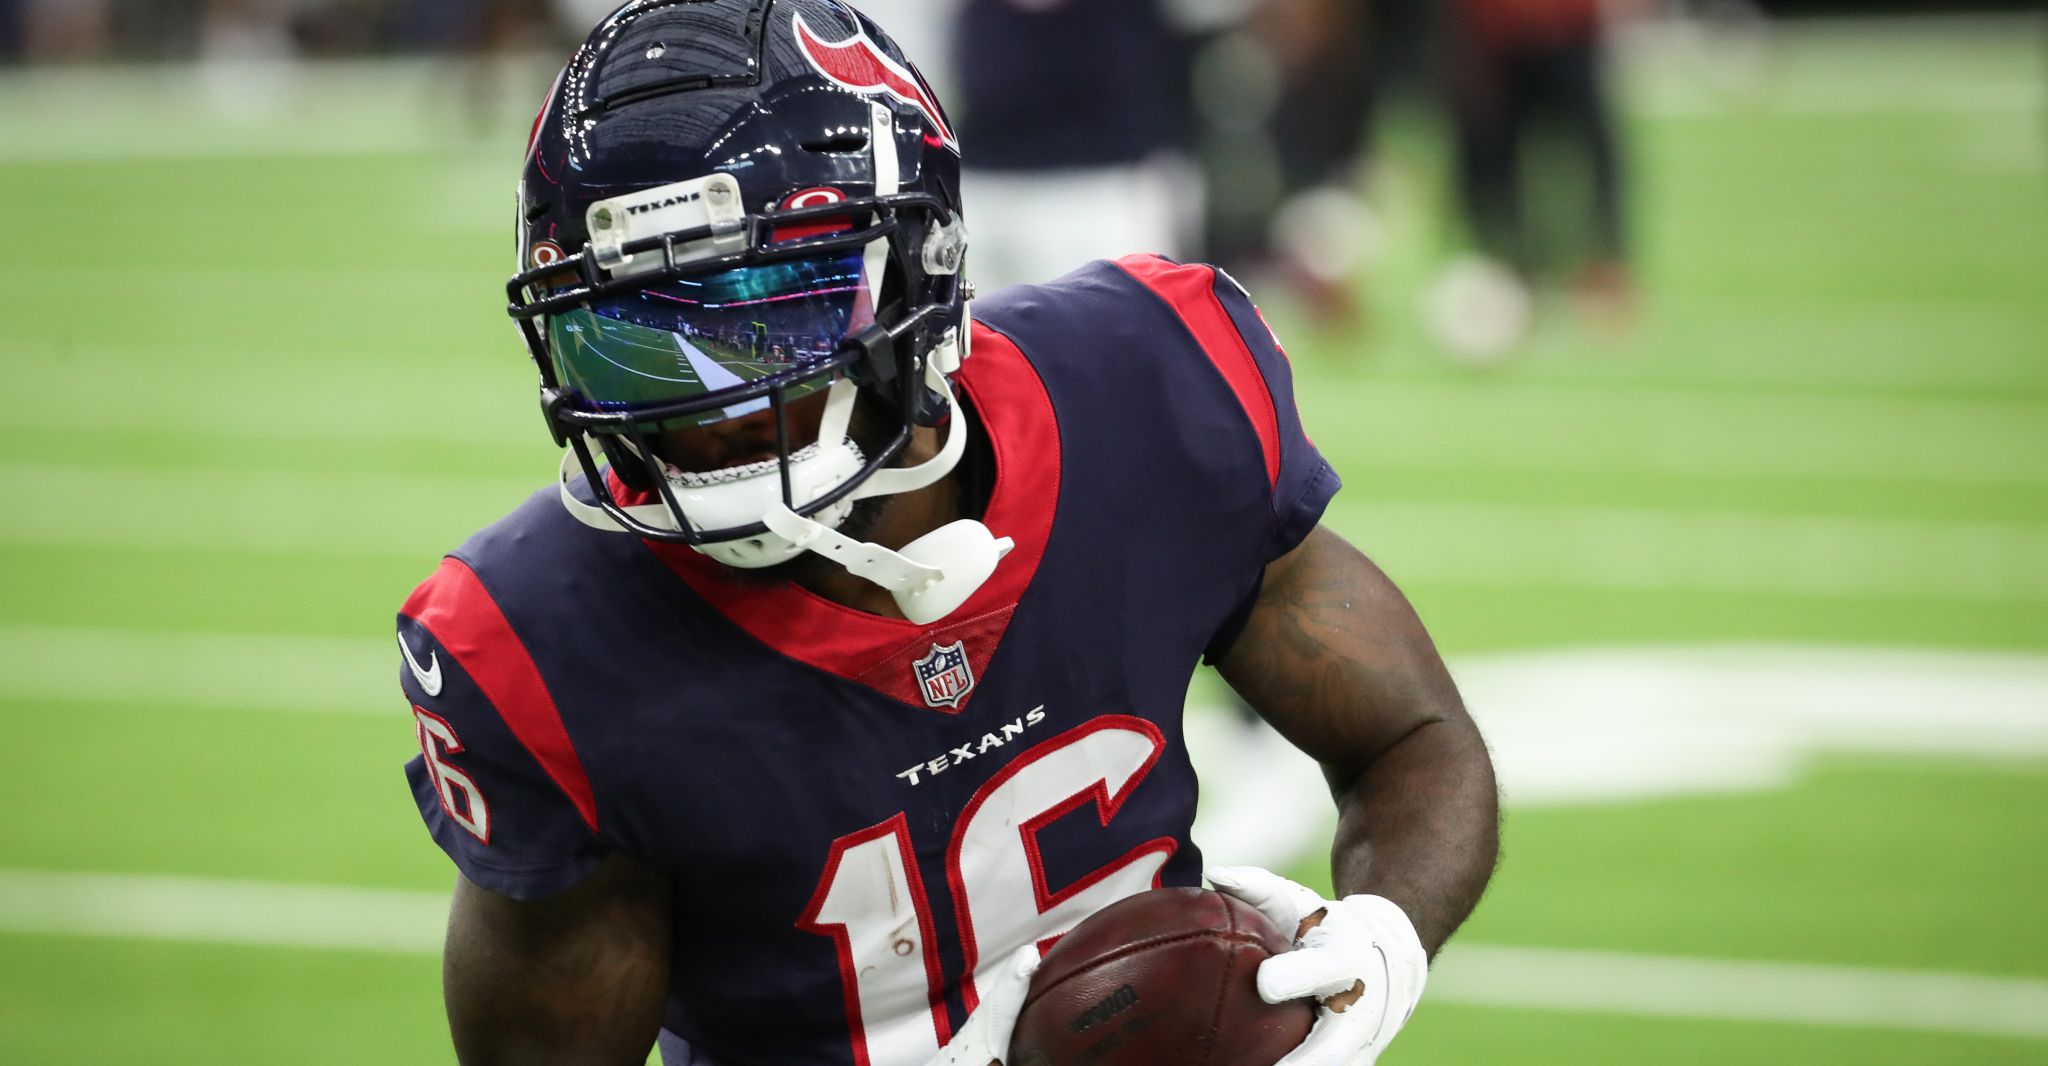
<point x="1011" y="730"/>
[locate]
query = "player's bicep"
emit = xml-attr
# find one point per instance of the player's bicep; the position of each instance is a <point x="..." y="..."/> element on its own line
<point x="1334" y="657"/>
<point x="577" y="977"/>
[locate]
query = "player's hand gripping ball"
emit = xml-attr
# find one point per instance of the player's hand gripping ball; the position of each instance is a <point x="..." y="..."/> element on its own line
<point x="1358" y="956"/>
<point x="1162" y="978"/>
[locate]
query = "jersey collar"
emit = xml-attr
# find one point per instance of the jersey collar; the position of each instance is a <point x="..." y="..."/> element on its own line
<point x="1017" y="414"/>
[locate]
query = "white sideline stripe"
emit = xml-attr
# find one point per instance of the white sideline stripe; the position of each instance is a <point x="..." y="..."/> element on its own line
<point x="266" y="512"/>
<point x="214" y="671"/>
<point x="334" y="917"/>
<point x="315" y="109"/>
<point x="1684" y="429"/>
<point x="1647" y="548"/>
<point x="212" y="911"/>
<point x="1726" y="990"/>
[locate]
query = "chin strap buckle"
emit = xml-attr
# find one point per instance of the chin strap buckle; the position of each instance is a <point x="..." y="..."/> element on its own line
<point x="929" y="579"/>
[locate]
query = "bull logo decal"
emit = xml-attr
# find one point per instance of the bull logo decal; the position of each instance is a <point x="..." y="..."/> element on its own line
<point x="857" y="65"/>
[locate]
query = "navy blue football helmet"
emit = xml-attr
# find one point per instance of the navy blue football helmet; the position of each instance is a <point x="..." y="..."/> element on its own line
<point x="727" y="206"/>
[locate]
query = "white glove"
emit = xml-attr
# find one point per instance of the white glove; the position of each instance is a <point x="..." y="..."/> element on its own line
<point x="985" y="1039"/>
<point x="1359" y="956"/>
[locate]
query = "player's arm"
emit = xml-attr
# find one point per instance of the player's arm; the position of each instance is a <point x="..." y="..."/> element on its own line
<point x="1336" y="659"/>
<point x="578" y="977"/>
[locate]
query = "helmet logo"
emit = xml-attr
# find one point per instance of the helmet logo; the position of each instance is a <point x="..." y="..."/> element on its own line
<point x="547" y="253"/>
<point x="856" y="64"/>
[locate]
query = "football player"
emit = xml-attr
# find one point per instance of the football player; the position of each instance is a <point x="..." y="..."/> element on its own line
<point x="1123" y="181"/>
<point x="817" y="696"/>
<point x="1529" y="88"/>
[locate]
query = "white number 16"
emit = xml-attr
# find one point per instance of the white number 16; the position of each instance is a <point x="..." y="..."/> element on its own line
<point x="871" y="899"/>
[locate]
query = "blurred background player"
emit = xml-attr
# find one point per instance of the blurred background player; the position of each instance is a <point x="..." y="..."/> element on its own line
<point x="1539" y="169"/>
<point x="1230" y="130"/>
<point x="495" y="40"/>
<point x="1287" y="101"/>
<point x="13" y="28"/>
<point x="1077" y="119"/>
<point x="63" y="29"/>
<point x="246" y="50"/>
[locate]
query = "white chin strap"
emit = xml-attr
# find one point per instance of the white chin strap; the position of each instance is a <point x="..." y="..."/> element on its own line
<point x="929" y="578"/>
<point x="934" y="574"/>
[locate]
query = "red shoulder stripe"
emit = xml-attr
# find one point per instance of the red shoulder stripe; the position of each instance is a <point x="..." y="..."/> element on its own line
<point x="459" y="611"/>
<point x="1191" y="291"/>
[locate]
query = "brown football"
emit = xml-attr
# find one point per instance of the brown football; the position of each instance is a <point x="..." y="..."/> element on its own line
<point x="1162" y="978"/>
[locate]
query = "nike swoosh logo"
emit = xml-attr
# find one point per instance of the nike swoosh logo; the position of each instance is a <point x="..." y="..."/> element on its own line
<point x="429" y="676"/>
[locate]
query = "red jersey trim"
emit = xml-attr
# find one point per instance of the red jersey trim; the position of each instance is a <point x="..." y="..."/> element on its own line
<point x="458" y="610"/>
<point x="1017" y="415"/>
<point x="1190" y="290"/>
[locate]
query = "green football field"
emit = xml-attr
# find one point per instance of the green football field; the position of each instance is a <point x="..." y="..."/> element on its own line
<point x="1753" y="601"/>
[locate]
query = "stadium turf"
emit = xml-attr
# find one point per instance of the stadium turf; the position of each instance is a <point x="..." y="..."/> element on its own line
<point x="258" y="378"/>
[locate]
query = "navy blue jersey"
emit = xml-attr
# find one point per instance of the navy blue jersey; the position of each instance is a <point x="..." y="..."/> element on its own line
<point x="857" y="814"/>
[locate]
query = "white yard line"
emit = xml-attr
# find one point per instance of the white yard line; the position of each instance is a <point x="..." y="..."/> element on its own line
<point x="205" y="910"/>
<point x="1795" y="993"/>
<point x="1658" y="549"/>
<point x="211" y="671"/>
<point x="117" y="113"/>
<point x="1838" y="66"/>
<point x="268" y="512"/>
<point x="382" y="920"/>
<point x="1749" y="429"/>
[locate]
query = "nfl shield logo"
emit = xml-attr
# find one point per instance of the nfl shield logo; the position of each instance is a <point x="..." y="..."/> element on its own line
<point x="943" y="675"/>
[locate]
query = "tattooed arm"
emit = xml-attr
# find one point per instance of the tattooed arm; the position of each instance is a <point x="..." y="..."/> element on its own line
<point x="1335" y="658"/>
<point x="578" y="977"/>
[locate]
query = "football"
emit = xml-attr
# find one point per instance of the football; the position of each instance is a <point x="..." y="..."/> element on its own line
<point x="1162" y="978"/>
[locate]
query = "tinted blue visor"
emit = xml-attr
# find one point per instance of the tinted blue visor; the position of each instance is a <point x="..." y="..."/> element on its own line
<point x="682" y="338"/>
